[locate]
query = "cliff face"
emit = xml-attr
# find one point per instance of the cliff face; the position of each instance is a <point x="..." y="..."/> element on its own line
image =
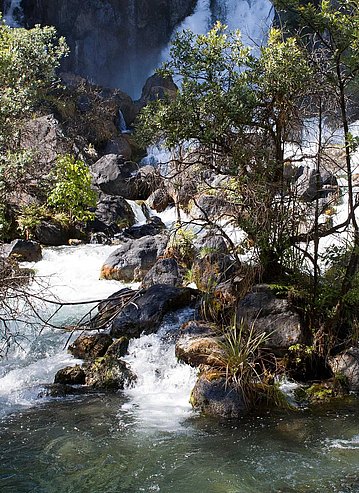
<point x="115" y="43"/>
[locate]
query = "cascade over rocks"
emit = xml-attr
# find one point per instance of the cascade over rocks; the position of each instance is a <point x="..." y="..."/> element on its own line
<point x="274" y="316"/>
<point x="115" y="43"/>
<point x="133" y="259"/>
<point x="147" y="311"/>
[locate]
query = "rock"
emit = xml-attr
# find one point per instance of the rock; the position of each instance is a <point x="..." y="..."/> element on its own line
<point x="157" y="87"/>
<point x="274" y="316"/>
<point x="119" y="146"/>
<point x="114" y="43"/>
<point x="118" y="348"/>
<point x="111" y="215"/>
<point x="134" y="259"/>
<point x="153" y="227"/>
<point x="45" y="137"/>
<point x="23" y="250"/>
<point x="109" y="373"/>
<point x="90" y="346"/>
<point x="213" y="264"/>
<point x="159" y="200"/>
<point x="198" y="344"/>
<point x="165" y="271"/>
<point x="147" y="311"/>
<point x="307" y="183"/>
<point x="211" y="206"/>
<point x="113" y="175"/>
<point x="213" y="396"/>
<point x="347" y="364"/>
<point x="71" y="375"/>
<point x="52" y="234"/>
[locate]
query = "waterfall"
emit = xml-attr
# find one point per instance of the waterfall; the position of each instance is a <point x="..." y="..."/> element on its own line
<point x="122" y="126"/>
<point x="13" y="14"/>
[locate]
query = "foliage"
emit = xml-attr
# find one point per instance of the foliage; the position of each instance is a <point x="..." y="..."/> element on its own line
<point x="181" y="247"/>
<point x="30" y="216"/>
<point x="28" y="60"/>
<point x="72" y="193"/>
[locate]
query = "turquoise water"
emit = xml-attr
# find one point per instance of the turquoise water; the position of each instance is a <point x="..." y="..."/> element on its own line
<point x="90" y="444"/>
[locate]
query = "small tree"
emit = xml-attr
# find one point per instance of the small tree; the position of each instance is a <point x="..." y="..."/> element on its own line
<point x="72" y="192"/>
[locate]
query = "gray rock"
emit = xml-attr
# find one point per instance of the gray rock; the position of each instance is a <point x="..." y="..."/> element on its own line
<point x="147" y="311"/>
<point x="347" y="365"/>
<point x="111" y="215"/>
<point x="215" y="397"/>
<point x="165" y="271"/>
<point x="22" y="250"/>
<point x="159" y="200"/>
<point x="115" y="176"/>
<point x="132" y="260"/>
<point x="154" y="226"/>
<point x="274" y="316"/>
<point x="51" y="234"/>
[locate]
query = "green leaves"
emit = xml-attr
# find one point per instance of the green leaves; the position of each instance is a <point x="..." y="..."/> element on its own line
<point x="72" y="192"/>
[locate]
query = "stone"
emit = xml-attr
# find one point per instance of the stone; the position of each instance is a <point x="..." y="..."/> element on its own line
<point x="347" y="364"/>
<point x="146" y="312"/>
<point x="118" y="348"/>
<point x="109" y="373"/>
<point x="198" y="344"/>
<point x="159" y="200"/>
<point x="120" y="146"/>
<point x="111" y="215"/>
<point x="90" y="346"/>
<point x="113" y="175"/>
<point x="52" y="234"/>
<point x="272" y="315"/>
<point x="153" y="227"/>
<point x="133" y="259"/>
<point x="213" y="396"/>
<point x="165" y="271"/>
<point x="23" y="250"/>
<point x="71" y="375"/>
<point x="157" y="87"/>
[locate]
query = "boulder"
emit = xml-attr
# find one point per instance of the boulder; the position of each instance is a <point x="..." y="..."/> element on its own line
<point x="111" y="215"/>
<point x="213" y="396"/>
<point x="90" y="346"/>
<point x="211" y="206"/>
<point x="52" y="234"/>
<point x="196" y="351"/>
<point x="113" y="175"/>
<point x="165" y="271"/>
<point x="71" y="375"/>
<point x="346" y="364"/>
<point x="147" y="311"/>
<point x="159" y="200"/>
<point x="120" y="146"/>
<point x="23" y="250"/>
<point x="132" y="260"/>
<point x="153" y="227"/>
<point x="157" y="87"/>
<point x="109" y="373"/>
<point x="118" y="348"/>
<point x="274" y="316"/>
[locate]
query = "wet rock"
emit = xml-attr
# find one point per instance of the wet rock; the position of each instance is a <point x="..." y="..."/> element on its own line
<point x="118" y="348"/>
<point x="71" y="375"/>
<point x="109" y="373"/>
<point x="159" y="200"/>
<point x="90" y="346"/>
<point x="213" y="396"/>
<point x="198" y="344"/>
<point x="52" y="234"/>
<point x="61" y="390"/>
<point x="346" y="364"/>
<point x="153" y="227"/>
<point x="111" y="215"/>
<point x="147" y="311"/>
<point x="274" y="316"/>
<point x="132" y="260"/>
<point x="22" y="250"/>
<point x="165" y="271"/>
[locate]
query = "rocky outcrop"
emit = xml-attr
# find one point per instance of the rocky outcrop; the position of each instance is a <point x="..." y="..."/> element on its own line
<point x="146" y="313"/>
<point x="90" y="346"/>
<point x="272" y="315"/>
<point x="198" y="344"/>
<point x="132" y="260"/>
<point x="157" y="87"/>
<point x="115" y="43"/>
<point x="109" y="373"/>
<point x="113" y="175"/>
<point x="346" y="364"/>
<point x="213" y="396"/>
<point x="111" y="215"/>
<point x="22" y="251"/>
<point x="153" y="227"/>
<point x="165" y="271"/>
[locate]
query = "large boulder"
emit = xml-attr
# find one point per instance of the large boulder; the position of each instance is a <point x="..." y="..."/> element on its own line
<point x="132" y="260"/>
<point x="157" y="87"/>
<point x="346" y="364"/>
<point x="159" y="200"/>
<point x="109" y="373"/>
<point x="147" y="311"/>
<point x="165" y="271"/>
<point x="70" y="375"/>
<point x="272" y="315"/>
<point x="198" y="344"/>
<point x="22" y="250"/>
<point x="90" y="346"/>
<point x="111" y="215"/>
<point x="113" y="175"/>
<point x="52" y="234"/>
<point x="153" y="227"/>
<point x="214" y="396"/>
